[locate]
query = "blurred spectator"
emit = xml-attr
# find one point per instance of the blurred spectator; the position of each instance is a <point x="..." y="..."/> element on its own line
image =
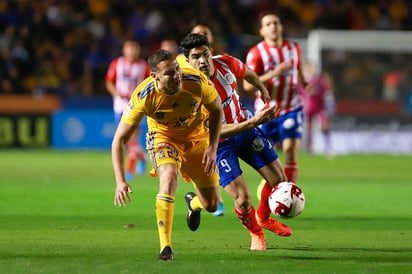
<point x="69" y="43"/>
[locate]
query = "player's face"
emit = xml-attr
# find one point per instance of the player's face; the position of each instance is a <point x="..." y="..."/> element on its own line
<point x="271" y="28"/>
<point x="168" y="77"/>
<point x="205" y="31"/>
<point x="131" y="50"/>
<point x="200" y="58"/>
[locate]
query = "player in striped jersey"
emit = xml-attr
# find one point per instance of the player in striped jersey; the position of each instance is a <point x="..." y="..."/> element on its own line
<point x="122" y="77"/>
<point x="278" y="63"/>
<point x="206" y="31"/>
<point x="184" y="118"/>
<point x="240" y="137"/>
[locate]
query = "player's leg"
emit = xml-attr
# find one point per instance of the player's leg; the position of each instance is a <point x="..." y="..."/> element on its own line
<point x="165" y="208"/>
<point x="290" y="132"/>
<point x="272" y="132"/>
<point x="220" y="209"/>
<point x="207" y="187"/>
<point x="273" y="174"/>
<point x="209" y="197"/>
<point x="166" y="162"/>
<point x="262" y="157"/>
<point x="206" y="198"/>
<point x="290" y="147"/>
<point x="245" y="212"/>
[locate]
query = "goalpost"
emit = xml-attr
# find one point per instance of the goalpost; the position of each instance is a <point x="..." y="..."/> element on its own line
<point x="372" y="75"/>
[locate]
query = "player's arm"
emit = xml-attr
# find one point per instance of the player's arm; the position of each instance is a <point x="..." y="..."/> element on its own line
<point x="252" y="78"/>
<point x="266" y="77"/>
<point x="264" y="116"/>
<point x="302" y="79"/>
<point x="111" y="88"/>
<point x="110" y="79"/>
<point x="215" y="126"/>
<point x="121" y="136"/>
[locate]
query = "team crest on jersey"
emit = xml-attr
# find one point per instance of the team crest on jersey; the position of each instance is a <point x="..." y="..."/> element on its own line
<point x="160" y="115"/>
<point x="229" y="78"/>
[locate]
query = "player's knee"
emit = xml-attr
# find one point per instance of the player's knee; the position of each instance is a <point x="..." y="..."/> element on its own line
<point x="242" y="199"/>
<point x="245" y="205"/>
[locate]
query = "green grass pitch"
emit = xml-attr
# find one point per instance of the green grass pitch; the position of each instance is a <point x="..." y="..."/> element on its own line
<point x="57" y="216"/>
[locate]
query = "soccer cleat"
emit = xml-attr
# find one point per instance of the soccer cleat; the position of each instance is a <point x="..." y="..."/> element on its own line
<point x="193" y="217"/>
<point x="258" y="241"/>
<point x="166" y="254"/>
<point x="220" y="210"/>
<point x="275" y="226"/>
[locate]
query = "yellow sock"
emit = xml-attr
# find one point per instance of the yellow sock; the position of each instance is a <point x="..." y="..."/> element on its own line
<point x="196" y="204"/>
<point x="164" y="214"/>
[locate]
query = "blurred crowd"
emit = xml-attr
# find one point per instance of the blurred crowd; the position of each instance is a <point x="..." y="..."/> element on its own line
<point x="64" y="47"/>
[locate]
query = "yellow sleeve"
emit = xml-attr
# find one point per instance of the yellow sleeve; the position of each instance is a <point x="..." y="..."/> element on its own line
<point x="209" y="92"/>
<point x="181" y="60"/>
<point x="135" y="109"/>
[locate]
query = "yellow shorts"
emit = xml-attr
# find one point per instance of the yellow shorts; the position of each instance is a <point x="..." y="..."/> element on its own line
<point x="187" y="155"/>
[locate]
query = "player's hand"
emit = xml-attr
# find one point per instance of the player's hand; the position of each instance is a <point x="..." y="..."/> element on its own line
<point x="265" y="115"/>
<point x="284" y="67"/>
<point x="209" y="161"/>
<point x="264" y="95"/>
<point x="121" y="196"/>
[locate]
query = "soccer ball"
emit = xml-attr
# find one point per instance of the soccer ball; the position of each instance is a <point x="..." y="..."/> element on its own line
<point x="287" y="200"/>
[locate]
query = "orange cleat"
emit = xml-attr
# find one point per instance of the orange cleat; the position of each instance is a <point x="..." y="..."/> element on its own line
<point x="274" y="226"/>
<point x="258" y="241"/>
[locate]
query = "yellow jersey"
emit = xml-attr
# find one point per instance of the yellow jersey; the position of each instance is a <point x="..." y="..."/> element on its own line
<point x="181" y="115"/>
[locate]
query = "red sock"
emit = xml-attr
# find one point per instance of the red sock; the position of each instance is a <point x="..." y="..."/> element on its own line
<point x="131" y="156"/>
<point x="291" y="170"/>
<point x="248" y="219"/>
<point x="263" y="210"/>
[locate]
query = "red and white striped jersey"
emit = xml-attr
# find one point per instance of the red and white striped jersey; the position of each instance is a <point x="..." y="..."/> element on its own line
<point x="263" y="58"/>
<point x="126" y="76"/>
<point x="227" y="70"/>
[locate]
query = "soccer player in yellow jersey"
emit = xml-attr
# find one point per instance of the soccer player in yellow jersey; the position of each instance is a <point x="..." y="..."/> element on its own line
<point x="184" y="118"/>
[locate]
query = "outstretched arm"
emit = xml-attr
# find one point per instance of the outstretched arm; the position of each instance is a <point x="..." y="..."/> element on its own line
<point x="252" y="78"/>
<point x="122" y="135"/>
<point x="264" y="78"/>
<point x="264" y="116"/>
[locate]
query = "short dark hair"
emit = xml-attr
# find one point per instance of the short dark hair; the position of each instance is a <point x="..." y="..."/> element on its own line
<point x="269" y="12"/>
<point x="191" y="41"/>
<point x="157" y="57"/>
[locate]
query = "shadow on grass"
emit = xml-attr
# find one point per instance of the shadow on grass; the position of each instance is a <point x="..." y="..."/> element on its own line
<point x="379" y="255"/>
